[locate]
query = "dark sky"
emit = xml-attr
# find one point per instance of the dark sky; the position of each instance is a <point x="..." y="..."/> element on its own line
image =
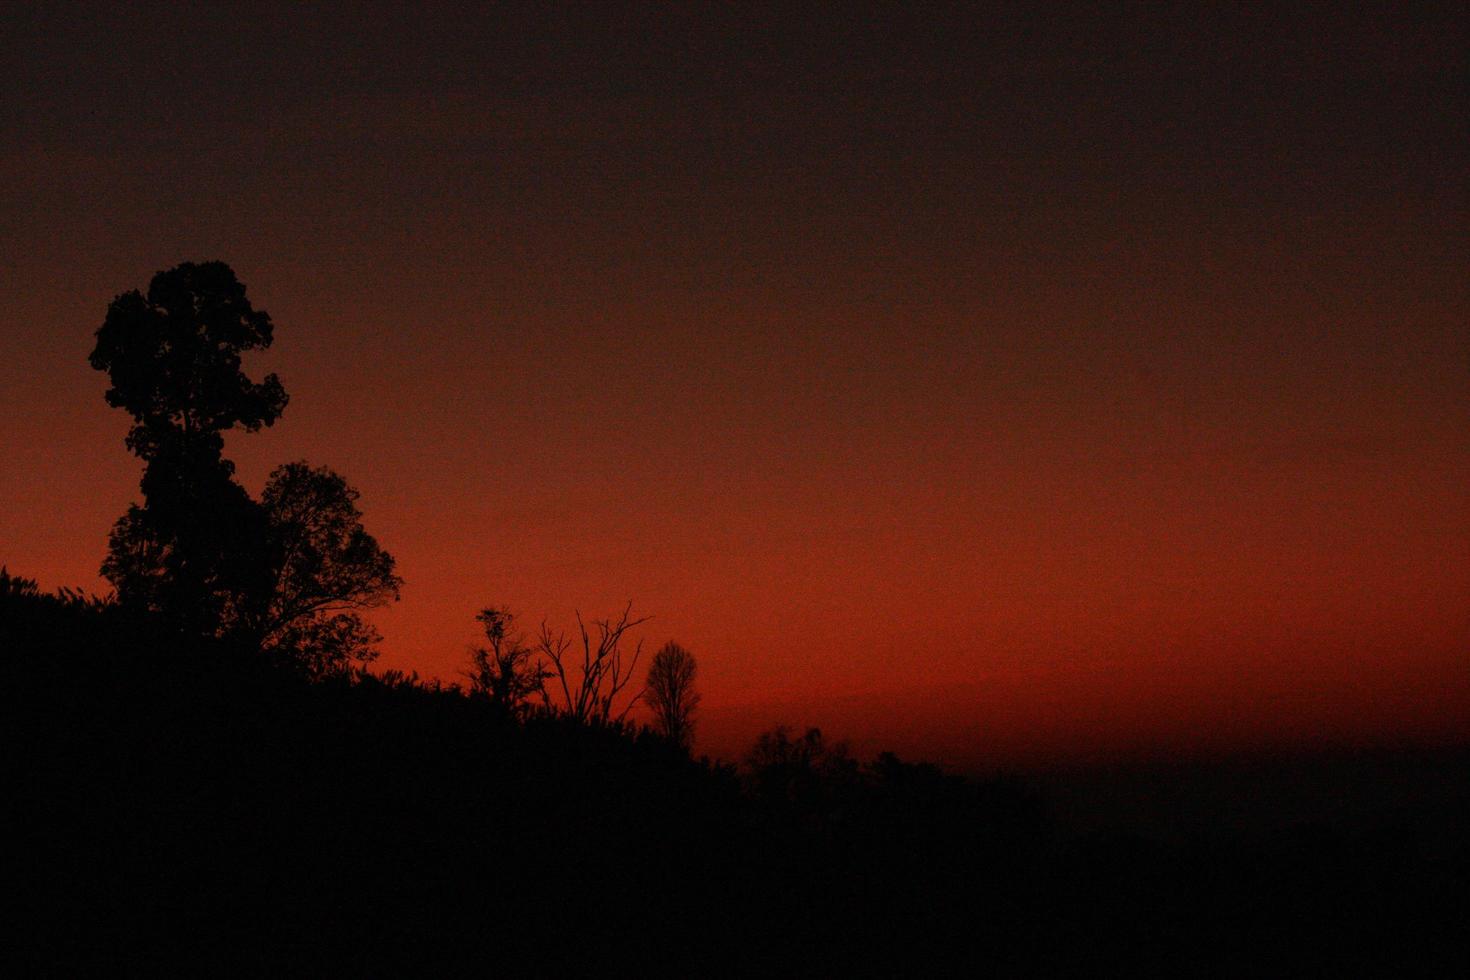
<point x="979" y="382"/>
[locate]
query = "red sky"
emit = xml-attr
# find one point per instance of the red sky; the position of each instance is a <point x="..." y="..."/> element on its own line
<point x="985" y="389"/>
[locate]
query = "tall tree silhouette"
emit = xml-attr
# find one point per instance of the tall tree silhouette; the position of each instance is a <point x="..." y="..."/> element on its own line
<point x="670" y="693"/>
<point x="289" y="574"/>
<point x="173" y="359"/>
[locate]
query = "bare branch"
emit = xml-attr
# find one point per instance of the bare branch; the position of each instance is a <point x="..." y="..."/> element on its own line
<point x="603" y="675"/>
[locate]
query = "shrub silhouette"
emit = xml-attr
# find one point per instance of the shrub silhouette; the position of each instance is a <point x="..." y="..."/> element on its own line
<point x="805" y="772"/>
<point x="506" y="671"/>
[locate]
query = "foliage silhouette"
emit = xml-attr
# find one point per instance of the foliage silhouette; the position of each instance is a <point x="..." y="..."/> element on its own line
<point x="173" y="358"/>
<point x="289" y="575"/>
<point x="324" y="569"/>
<point x="507" y="671"/>
<point x="803" y="772"/>
<point x="670" y="694"/>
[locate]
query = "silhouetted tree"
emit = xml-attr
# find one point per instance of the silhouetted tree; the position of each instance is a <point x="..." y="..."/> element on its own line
<point x="507" y="671"/>
<point x="173" y="359"/>
<point x="290" y="574"/>
<point x="589" y="691"/>
<point x="670" y="693"/>
<point x="323" y="569"/>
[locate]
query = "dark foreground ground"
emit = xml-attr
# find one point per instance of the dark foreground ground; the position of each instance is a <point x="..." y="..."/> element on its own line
<point x="188" y="809"/>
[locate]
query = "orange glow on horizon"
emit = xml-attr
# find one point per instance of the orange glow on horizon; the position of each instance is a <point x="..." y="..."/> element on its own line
<point x="975" y="407"/>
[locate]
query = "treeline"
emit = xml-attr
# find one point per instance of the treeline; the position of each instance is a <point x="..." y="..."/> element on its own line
<point x="181" y="798"/>
<point x="188" y="805"/>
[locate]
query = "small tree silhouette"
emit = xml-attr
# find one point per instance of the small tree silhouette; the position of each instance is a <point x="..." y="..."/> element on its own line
<point x="507" y="671"/>
<point x="670" y="693"/>
<point x="589" y="691"/>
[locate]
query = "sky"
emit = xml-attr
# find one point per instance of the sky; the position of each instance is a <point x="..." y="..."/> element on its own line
<point x="986" y="383"/>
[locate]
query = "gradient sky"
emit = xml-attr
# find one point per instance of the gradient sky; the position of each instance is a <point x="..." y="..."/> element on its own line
<point x="985" y="386"/>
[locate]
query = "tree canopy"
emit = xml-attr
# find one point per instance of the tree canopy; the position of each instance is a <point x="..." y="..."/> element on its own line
<point x="173" y="357"/>
<point x="506" y="670"/>
<point x="322" y="570"/>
